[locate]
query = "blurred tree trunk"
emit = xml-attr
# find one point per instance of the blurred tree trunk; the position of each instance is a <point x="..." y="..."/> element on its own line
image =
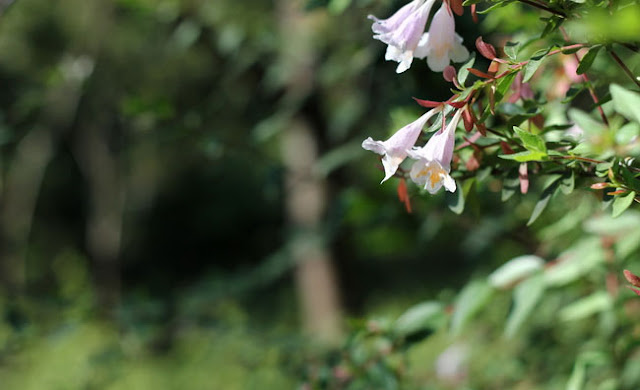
<point x="20" y="195"/>
<point x="101" y="168"/>
<point x="306" y="192"/>
<point x="101" y="164"/>
<point x="25" y="172"/>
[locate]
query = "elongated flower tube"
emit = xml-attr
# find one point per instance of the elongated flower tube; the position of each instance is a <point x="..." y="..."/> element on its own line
<point x="403" y="31"/>
<point x="441" y="44"/>
<point x="395" y="149"/>
<point x="431" y="170"/>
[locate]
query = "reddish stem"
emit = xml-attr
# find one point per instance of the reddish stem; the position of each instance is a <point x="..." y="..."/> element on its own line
<point x="625" y="69"/>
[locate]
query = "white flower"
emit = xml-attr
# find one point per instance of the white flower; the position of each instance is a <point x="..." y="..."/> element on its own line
<point x="403" y="31"/>
<point x="441" y="44"/>
<point x="396" y="148"/>
<point x="433" y="164"/>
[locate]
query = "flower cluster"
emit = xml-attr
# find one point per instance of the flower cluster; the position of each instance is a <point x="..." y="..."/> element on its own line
<point x="432" y="163"/>
<point x="404" y="33"/>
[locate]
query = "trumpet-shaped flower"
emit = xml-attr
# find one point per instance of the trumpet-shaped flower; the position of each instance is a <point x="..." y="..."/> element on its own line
<point x="403" y="31"/>
<point x="395" y="149"/>
<point x="431" y="170"/>
<point x="441" y="44"/>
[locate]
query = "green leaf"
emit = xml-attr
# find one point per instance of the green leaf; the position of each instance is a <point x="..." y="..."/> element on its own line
<point x="552" y="24"/>
<point x="630" y="179"/>
<point x="576" y="381"/>
<point x="606" y="225"/>
<point x="455" y="200"/>
<point x="533" y="64"/>
<point x="530" y="141"/>
<point x="515" y="270"/>
<point x="525" y="297"/>
<point x="511" y="50"/>
<point x="504" y="84"/>
<point x="586" y="122"/>
<point x="473" y="297"/>
<point x="578" y="376"/>
<point x="626" y="102"/>
<point x="547" y="193"/>
<point x="510" y="184"/>
<point x="424" y="316"/>
<point x="587" y="60"/>
<point x="525" y="156"/>
<point x="575" y="262"/>
<point x="463" y="73"/>
<point x="510" y="109"/>
<point x="587" y="306"/>
<point x="567" y="184"/>
<point x="627" y="133"/>
<point x="573" y="92"/>
<point x="621" y="203"/>
<point x="497" y="5"/>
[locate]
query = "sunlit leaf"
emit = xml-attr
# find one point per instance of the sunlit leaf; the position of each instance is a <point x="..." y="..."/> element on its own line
<point x="515" y="270"/>
<point x="621" y="203"/>
<point x="525" y="297"/>
<point x="626" y="102"/>
<point x="473" y="297"/>
<point x="427" y="315"/>
<point x="587" y="306"/>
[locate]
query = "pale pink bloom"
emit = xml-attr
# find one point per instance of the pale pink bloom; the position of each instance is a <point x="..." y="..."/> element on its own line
<point x="403" y="31"/>
<point x="431" y="170"/>
<point x="395" y="149"/>
<point x="441" y="44"/>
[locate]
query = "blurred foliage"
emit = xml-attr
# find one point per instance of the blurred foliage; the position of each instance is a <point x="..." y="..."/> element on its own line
<point x="192" y="97"/>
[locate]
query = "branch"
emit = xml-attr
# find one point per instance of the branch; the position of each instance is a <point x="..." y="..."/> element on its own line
<point x="624" y="67"/>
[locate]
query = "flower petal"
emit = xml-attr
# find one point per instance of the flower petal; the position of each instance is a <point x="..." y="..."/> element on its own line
<point x="438" y="63"/>
<point x="458" y="53"/>
<point x="374" y="146"/>
<point x="449" y="183"/>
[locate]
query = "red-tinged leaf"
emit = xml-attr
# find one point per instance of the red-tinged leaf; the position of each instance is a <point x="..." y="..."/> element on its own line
<point x="467" y="120"/>
<point x="599" y="186"/>
<point x="481" y="128"/>
<point x="455" y="161"/>
<point x="457" y="105"/>
<point x="427" y="103"/>
<point x="618" y="192"/>
<point x="493" y="68"/>
<point x="487" y="50"/>
<point x="523" y="175"/>
<point x="479" y="73"/>
<point x="403" y="195"/>
<point x="474" y="14"/>
<point x="634" y="290"/>
<point x="506" y="149"/>
<point x="449" y="73"/>
<point x="456" y="6"/>
<point x="632" y="278"/>
<point x="469" y="141"/>
<point x="473" y="163"/>
<point x="538" y="120"/>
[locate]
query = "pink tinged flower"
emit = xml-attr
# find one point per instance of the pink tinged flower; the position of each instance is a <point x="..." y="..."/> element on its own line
<point x="395" y="149"/>
<point x="431" y="170"/>
<point x="402" y="32"/>
<point x="441" y="44"/>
